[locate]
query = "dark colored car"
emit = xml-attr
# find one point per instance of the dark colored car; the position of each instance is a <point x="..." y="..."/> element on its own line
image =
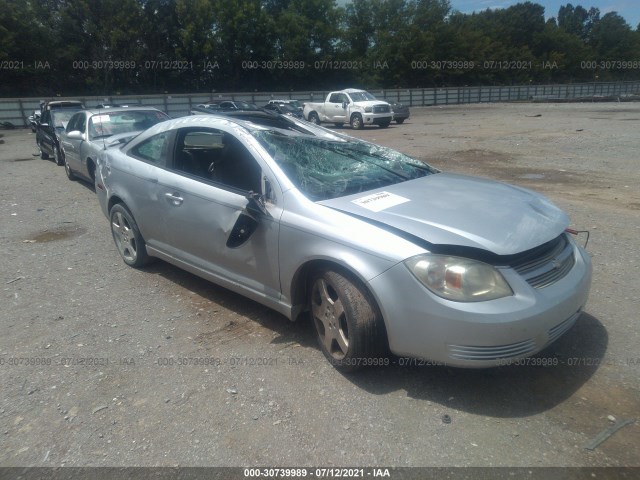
<point x="55" y="104"/>
<point x="52" y="123"/>
<point x="283" y="109"/>
<point x="400" y="112"/>
<point x="299" y="106"/>
<point x="223" y="106"/>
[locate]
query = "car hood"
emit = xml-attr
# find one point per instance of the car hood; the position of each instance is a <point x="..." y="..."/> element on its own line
<point x="450" y="209"/>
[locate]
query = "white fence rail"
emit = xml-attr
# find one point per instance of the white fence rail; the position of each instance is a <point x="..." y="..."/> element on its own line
<point x="16" y="110"/>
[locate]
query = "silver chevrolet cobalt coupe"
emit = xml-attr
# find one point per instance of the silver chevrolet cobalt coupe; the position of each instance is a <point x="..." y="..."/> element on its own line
<point x="383" y="251"/>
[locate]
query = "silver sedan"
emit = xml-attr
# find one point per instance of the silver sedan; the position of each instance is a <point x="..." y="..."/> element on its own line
<point x="89" y="131"/>
<point x="382" y="251"/>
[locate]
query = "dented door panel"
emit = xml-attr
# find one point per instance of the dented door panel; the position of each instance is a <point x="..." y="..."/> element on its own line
<point x="200" y="219"/>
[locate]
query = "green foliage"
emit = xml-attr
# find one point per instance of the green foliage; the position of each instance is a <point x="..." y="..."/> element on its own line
<point x="71" y="47"/>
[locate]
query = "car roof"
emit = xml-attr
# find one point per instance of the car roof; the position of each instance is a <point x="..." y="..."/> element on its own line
<point x="352" y="90"/>
<point x="68" y="108"/>
<point x="63" y="103"/>
<point x="104" y="111"/>
<point x="249" y="121"/>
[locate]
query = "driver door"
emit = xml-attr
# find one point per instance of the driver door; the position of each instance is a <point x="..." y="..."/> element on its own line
<point x="203" y="196"/>
<point x="337" y="110"/>
<point x="72" y="146"/>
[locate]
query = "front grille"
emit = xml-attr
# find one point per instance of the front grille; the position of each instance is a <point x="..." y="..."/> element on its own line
<point x="468" y="352"/>
<point x="381" y="109"/>
<point x="546" y="265"/>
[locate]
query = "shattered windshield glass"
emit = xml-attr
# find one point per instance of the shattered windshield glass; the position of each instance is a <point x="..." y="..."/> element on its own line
<point x="325" y="169"/>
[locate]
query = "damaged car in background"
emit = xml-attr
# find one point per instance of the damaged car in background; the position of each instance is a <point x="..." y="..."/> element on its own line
<point x="382" y="251"/>
<point x="89" y="131"/>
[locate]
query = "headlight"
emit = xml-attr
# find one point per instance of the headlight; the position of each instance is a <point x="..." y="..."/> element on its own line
<point x="459" y="279"/>
<point x="368" y="109"/>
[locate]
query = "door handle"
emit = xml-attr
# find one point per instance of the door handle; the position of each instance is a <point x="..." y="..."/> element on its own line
<point x="174" y="198"/>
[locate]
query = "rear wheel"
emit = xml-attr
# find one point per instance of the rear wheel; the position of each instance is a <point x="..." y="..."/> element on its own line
<point x="57" y="156"/>
<point x="347" y="321"/>
<point x="356" y="122"/>
<point x="314" y="118"/>
<point x="67" y="170"/>
<point x="127" y="237"/>
<point x="43" y="155"/>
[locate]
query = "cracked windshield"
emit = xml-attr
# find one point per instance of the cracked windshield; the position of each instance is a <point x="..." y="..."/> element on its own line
<point x="324" y="169"/>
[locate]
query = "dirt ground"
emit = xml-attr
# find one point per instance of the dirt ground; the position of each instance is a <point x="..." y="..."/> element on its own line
<point x="104" y="365"/>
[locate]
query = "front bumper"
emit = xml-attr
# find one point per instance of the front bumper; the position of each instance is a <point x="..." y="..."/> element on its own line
<point x="402" y="114"/>
<point x="376" y="118"/>
<point x="482" y="334"/>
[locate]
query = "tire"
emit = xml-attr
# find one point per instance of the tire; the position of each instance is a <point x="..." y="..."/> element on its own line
<point x="127" y="238"/>
<point x="58" y="157"/>
<point x="68" y="171"/>
<point x="400" y="120"/>
<point x="347" y="321"/>
<point x="356" y="122"/>
<point x="314" y="118"/>
<point x="385" y="124"/>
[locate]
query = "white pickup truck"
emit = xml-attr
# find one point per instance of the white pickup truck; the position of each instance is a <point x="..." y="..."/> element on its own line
<point x="355" y="107"/>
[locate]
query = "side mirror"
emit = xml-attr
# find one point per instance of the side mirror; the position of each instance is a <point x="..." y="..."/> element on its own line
<point x="344" y="104"/>
<point x="256" y="205"/>
<point x="75" y="135"/>
<point x="248" y="220"/>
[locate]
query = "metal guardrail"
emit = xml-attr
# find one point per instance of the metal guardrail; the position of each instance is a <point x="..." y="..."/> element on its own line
<point x="16" y="110"/>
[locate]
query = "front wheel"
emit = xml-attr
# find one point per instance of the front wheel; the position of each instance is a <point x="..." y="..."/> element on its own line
<point x="356" y="122"/>
<point x="348" y="323"/>
<point x="127" y="237"/>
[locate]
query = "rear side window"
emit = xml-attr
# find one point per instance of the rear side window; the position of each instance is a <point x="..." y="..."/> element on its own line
<point x="153" y="150"/>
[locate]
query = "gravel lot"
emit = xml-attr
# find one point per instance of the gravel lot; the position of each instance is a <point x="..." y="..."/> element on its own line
<point x="104" y="365"/>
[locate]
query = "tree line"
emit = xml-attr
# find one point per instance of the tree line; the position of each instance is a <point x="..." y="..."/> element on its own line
<point x="108" y="47"/>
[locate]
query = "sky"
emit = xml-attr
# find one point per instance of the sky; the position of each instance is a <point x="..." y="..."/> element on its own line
<point x="628" y="9"/>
